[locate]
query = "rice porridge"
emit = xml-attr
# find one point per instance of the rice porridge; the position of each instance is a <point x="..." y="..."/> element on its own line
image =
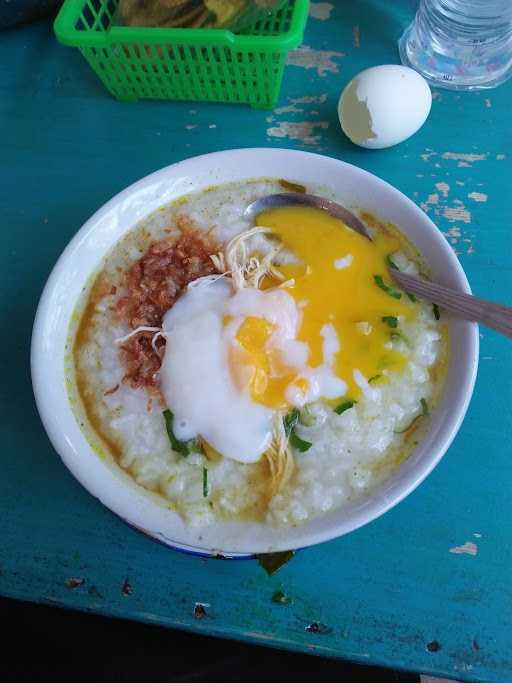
<point x="267" y="371"/>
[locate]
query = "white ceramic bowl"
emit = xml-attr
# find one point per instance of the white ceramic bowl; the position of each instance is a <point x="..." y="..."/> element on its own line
<point x="356" y="188"/>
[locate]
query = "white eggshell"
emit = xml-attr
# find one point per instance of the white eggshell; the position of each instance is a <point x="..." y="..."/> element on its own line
<point x="384" y="105"/>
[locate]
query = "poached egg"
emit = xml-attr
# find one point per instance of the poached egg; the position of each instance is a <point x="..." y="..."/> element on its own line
<point x="234" y="358"/>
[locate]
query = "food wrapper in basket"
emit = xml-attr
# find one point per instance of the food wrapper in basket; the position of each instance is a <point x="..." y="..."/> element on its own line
<point x="235" y="15"/>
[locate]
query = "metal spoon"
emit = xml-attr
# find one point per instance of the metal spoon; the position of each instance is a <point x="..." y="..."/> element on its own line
<point x="492" y="315"/>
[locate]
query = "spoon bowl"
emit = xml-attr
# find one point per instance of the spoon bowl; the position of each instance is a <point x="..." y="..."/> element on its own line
<point x="277" y="201"/>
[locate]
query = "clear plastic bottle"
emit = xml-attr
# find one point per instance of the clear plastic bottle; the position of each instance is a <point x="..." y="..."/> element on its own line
<point x="460" y="44"/>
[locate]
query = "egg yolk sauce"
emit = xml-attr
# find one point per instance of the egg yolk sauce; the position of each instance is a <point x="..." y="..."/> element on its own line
<point x="340" y="282"/>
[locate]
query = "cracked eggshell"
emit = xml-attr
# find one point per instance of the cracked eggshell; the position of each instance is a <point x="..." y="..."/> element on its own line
<point x="384" y="105"/>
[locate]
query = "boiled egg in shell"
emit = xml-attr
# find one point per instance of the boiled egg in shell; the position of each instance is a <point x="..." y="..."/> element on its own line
<point x="234" y="358"/>
<point x="384" y="105"/>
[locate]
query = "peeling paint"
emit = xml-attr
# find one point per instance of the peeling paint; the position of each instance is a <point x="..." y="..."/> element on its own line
<point x="432" y="200"/>
<point x="191" y="126"/>
<point x="287" y="109"/>
<point x="427" y="154"/>
<point x="468" y="548"/>
<point x="459" y="183"/>
<point x="298" y="130"/>
<point x="443" y="188"/>
<point x="457" y="213"/>
<point x="500" y="157"/>
<point x="453" y="232"/>
<point x="294" y="101"/>
<point x="320" y="10"/>
<point x="356" y="36"/>
<point x="436" y="203"/>
<point x="310" y="99"/>
<point x="488" y="103"/>
<point x="463" y="158"/>
<point x="321" y="60"/>
<point x="477" y="535"/>
<point x="478" y="196"/>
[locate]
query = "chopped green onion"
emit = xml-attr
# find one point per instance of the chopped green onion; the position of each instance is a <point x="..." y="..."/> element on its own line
<point x="374" y="378"/>
<point x="281" y="598"/>
<point x="205" y="482"/>
<point x="386" y="288"/>
<point x="346" y="405"/>
<point x="437" y="313"/>
<point x="298" y="443"/>
<point x="290" y="422"/>
<point x="391" y="263"/>
<point x="390" y="320"/>
<point x="272" y="562"/>
<point x="181" y="447"/>
<point x="424" y="407"/>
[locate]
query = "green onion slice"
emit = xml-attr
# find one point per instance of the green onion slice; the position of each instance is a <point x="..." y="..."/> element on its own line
<point x="386" y="288"/>
<point x="205" y="482"/>
<point x="181" y="447"/>
<point x="345" y="405"/>
<point x="391" y="321"/>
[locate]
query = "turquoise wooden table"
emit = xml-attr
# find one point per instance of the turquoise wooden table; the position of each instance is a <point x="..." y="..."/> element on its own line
<point x="428" y="586"/>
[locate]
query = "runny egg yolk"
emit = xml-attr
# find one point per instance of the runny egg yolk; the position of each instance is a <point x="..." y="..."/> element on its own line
<point x="258" y="367"/>
<point x="333" y="283"/>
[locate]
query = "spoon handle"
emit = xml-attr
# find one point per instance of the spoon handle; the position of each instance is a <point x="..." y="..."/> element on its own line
<point x="495" y="316"/>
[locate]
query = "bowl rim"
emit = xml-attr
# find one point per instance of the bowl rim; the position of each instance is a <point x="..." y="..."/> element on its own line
<point x="72" y="457"/>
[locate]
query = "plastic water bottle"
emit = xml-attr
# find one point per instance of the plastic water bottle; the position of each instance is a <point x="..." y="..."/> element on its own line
<point x="460" y="44"/>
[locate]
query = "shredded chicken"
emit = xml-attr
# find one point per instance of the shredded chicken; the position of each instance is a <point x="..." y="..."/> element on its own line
<point x="279" y="456"/>
<point x="246" y="270"/>
<point x="133" y="333"/>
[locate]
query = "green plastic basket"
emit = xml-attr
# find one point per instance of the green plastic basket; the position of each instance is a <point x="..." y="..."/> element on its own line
<point x="207" y="65"/>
